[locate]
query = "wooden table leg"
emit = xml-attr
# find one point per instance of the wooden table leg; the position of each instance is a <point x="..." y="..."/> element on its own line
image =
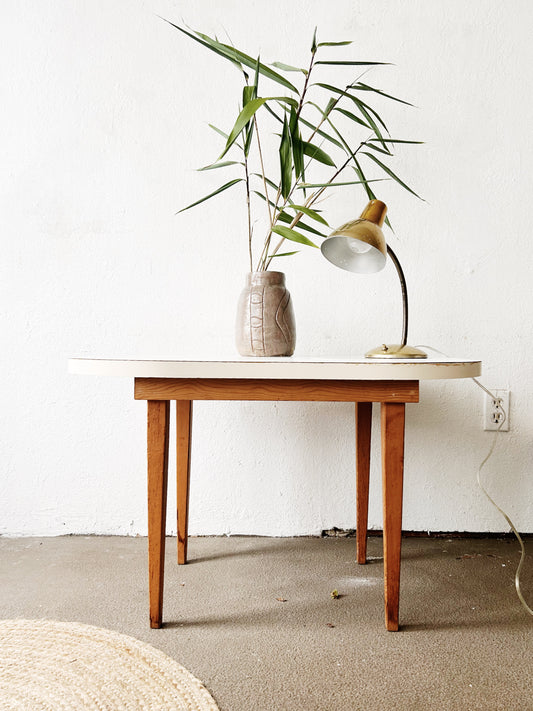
<point x="158" y="421"/>
<point x="183" y="468"/>
<point x="363" y="428"/>
<point x="392" y="453"/>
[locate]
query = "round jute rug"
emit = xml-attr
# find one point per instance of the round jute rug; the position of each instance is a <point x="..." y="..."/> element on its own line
<point x="51" y="666"/>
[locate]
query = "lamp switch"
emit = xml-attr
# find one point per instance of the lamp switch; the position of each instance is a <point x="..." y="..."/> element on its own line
<point x="497" y="411"/>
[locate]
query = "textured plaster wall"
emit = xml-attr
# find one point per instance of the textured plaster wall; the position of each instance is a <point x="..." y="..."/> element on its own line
<point x="104" y="118"/>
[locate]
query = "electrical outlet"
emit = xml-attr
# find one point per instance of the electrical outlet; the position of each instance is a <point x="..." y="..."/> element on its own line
<point x="497" y="411"/>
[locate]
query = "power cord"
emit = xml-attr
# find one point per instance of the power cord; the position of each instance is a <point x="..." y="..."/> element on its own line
<point x="480" y="484"/>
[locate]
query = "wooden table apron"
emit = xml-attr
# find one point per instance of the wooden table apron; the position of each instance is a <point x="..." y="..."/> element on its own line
<point x="392" y="394"/>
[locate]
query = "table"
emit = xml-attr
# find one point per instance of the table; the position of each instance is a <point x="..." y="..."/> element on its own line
<point x="392" y="383"/>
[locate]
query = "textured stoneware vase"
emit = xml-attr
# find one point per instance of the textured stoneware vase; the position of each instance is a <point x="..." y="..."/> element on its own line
<point x="265" y="319"/>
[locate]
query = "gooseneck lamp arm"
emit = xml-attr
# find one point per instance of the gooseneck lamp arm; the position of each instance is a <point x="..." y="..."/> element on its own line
<point x="403" y="283"/>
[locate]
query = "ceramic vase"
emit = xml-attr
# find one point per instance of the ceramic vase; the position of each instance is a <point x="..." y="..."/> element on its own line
<point x="265" y="318"/>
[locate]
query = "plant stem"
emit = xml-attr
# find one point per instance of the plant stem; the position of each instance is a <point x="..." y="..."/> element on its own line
<point x="249" y="211"/>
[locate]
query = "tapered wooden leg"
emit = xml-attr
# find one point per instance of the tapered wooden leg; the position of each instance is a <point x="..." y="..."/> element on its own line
<point x="392" y="452"/>
<point x="183" y="468"/>
<point x="363" y="428"/>
<point x="158" y="419"/>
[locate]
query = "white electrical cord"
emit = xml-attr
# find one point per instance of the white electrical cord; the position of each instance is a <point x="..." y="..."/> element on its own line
<point x="479" y="482"/>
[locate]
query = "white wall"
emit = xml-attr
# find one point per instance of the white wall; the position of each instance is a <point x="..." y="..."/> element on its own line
<point x="104" y="119"/>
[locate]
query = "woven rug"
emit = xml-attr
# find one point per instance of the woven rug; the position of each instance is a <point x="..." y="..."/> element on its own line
<point x="47" y="665"/>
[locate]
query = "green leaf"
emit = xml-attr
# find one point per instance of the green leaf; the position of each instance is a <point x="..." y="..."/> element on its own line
<point x="245" y="115"/>
<point x="337" y="185"/>
<point x="296" y="143"/>
<point x="274" y="114"/>
<point x="354" y="64"/>
<point x="215" y="192"/>
<point x="353" y="117"/>
<point x="287" y="219"/>
<point x="397" y="140"/>
<point x="316" y="153"/>
<point x="366" y="87"/>
<point x="248" y="94"/>
<point x="320" y="132"/>
<point x="267" y="180"/>
<point x="385" y="151"/>
<point x="392" y="175"/>
<point x="286" y="100"/>
<point x="313" y="43"/>
<point x="218" y="130"/>
<point x="283" y="254"/>
<point x="285" y="158"/>
<point x="256" y="76"/>
<point x="313" y="214"/>
<point x="234" y="55"/>
<point x="224" y="164"/>
<point x="368" y="189"/>
<point x="288" y="68"/>
<point x="325" y="112"/>
<point x="292" y="235"/>
<point x="334" y="44"/>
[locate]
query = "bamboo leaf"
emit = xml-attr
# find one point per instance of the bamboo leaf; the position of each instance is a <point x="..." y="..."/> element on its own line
<point x="354" y="64"/>
<point x="267" y="180"/>
<point x="287" y="219"/>
<point x="353" y="117"/>
<point x="288" y="68"/>
<point x="313" y="214"/>
<point x="284" y="254"/>
<point x="234" y="55"/>
<point x="285" y="157"/>
<point x="286" y="100"/>
<point x="337" y="185"/>
<point x="334" y="44"/>
<point x="313" y="43"/>
<point x="292" y="235"/>
<point x="248" y="94"/>
<point x="224" y="164"/>
<point x="320" y="132"/>
<point x="392" y="175"/>
<point x="274" y="114"/>
<point x="297" y="146"/>
<point x="385" y="151"/>
<point x="215" y="192"/>
<point x="398" y="140"/>
<point x="218" y="130"/>
<point x="316" y="153"/>
<point x="245" y="115"/>
<point x="366" y="87"/>
<point x="368" y="189"/>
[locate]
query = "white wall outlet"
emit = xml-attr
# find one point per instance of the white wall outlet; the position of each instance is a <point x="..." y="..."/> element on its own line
<point x="497" y="411"/>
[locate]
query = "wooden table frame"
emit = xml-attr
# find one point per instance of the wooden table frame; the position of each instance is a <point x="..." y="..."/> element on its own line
<point x="392" y="383"/>
<point x="393" y="396"/>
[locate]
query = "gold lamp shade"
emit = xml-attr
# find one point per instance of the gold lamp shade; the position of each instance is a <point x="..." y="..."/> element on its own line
<point x="359" y="246"/>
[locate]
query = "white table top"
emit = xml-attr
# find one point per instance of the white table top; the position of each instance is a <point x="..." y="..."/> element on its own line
<point x="281" y="368"/>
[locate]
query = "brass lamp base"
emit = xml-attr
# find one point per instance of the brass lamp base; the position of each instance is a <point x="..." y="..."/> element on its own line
<point x="395" y="350"/>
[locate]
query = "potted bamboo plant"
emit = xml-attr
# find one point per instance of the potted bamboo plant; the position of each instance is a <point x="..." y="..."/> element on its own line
<point x="319" y="128"/>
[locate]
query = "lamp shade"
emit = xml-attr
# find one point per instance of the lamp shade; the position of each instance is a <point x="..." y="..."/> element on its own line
<point x="359" y="246"/>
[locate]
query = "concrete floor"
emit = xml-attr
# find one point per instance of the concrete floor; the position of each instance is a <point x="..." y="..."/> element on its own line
<point x="254" y="619"/>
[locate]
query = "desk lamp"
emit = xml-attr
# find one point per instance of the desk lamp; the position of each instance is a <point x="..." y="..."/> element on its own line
<point x="359" y="246"/>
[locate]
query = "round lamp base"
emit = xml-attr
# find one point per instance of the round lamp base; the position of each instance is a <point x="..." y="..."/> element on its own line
<point x="394" y="350"/>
